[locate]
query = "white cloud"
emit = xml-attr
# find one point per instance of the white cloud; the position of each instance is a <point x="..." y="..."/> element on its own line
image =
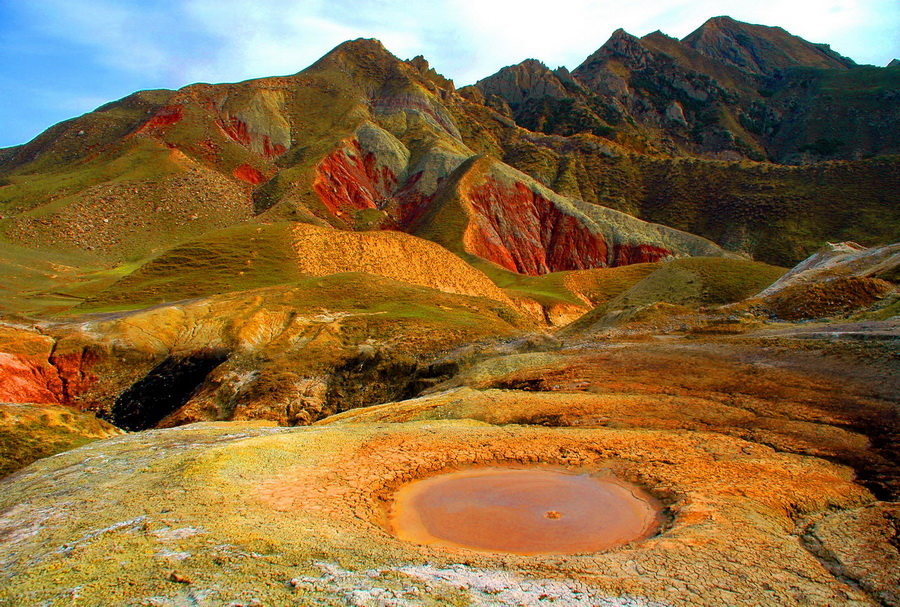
<point x="565" y="32"/>
<point x="112" y="47"/>
<point x="175" y="43"/>
<point x="274" y="38"/>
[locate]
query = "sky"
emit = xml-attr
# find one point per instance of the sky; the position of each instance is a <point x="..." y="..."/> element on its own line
<point x="62" y="58"/>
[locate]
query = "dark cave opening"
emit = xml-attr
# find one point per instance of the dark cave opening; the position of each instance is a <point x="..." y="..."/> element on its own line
<point x="168" y="386"/>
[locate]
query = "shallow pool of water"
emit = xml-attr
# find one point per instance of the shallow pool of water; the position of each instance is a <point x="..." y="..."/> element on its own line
<point x="523" y="511"/>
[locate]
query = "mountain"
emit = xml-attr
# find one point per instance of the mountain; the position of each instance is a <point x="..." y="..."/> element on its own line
<point x="273" y="306"/>
<point x="729" y="90"/>
<point x="166" y="224"/>
<point x="758" y="49"/>
<point x="362" y="140"/>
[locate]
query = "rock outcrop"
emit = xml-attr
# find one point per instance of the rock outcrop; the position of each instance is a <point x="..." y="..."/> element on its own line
<point x="839" y="260"/>
<point x="761" y="50"/>
<point x="33" y="369"/>
<point x="839" y="279"/>
<point x="524" y="227"/>
<point x="530" y="79"/>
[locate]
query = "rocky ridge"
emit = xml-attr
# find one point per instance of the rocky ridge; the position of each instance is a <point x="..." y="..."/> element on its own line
<point x="362" y="140"/>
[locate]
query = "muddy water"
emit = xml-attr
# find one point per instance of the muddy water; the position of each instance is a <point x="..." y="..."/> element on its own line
<point x="523" y="511"/>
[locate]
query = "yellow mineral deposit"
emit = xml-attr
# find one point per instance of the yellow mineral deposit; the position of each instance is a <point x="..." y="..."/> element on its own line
<point x="523" y="511"/>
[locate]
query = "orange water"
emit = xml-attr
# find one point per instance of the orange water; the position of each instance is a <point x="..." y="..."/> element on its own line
<point x="522" y="511"/>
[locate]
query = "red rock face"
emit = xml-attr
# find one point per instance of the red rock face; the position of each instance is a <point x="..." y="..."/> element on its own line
<point x="57" y="381"/>
<point x="24" y="381"/>
<point x="73" y="371"/>
<point x="411" y="202"/>
<point x="247" y="173"/>
<point x="238" y="131"/>
<point x="513" y="226"/>
<point x="271" y="150"/>
<point x="167" y="116"/>
<point x="624" y="254"/>
<point x="350" y="182"/>
<point x="522" y="231"/>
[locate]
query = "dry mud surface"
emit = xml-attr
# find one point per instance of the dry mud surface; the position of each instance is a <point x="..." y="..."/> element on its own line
<point x="761" y="507"/>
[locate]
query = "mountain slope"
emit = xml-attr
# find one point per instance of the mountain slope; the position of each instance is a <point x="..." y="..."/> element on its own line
<point x="364" y="141"/>
<point x="250" y="257"/>
<point x="759" y="49"/>
<point x="730" y="90"/>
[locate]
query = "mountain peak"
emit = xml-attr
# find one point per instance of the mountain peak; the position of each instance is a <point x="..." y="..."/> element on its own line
<point x="622" y="45"/>
<point x="534" y="65"/>
<point x="721" y="21"/>
<point x="523" y="81"/>
<point x="421" y="64"/>
<point x="361" y="45"/>
<point x="620" y="36"/>
<point x="359" y="50"/>
<point x="760" y="49"/>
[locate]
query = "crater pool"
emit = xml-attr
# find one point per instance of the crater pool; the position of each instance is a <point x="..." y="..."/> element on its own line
<point x="523" y="511"/>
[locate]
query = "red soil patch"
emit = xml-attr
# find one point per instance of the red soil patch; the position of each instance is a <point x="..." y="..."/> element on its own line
<point x="166" y="116"/>
<point x="236" y="129"/>
<point x="411" y="203"/>
<point x="271" y="150"/>
<point x="247" y="173"/>
<point x="24" y="379"/>
<point x="624" y="255"/>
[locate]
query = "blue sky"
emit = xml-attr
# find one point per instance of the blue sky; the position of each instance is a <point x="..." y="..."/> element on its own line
<point x="62" y="58"/>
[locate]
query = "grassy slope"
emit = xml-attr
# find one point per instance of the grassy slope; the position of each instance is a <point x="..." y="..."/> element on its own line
<point x="44" y="189"/>
<point x="80" y="140"/>
<point x="690" y="283"/>
<point x="406" y="312"/>
<point x="234" y="259"/>
<point x="352" y="307"/>
<point x="597" y="286"/>
<point x="31" y="432"/>
<point x="35" y="282"/>
<point x="778" y="214"/>
<point x="848" y="109"/>
<point x="253" y="256"/>
<point x="702" y="281"/>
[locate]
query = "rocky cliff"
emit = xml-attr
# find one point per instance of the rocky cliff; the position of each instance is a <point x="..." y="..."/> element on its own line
<point x="363" y="141"/>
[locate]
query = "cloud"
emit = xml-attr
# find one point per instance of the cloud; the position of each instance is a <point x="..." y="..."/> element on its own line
<point x="220" y="40"/>
<point x="565" y="32"/>
<point x="278" y="37"/>
<point x="98" y="47"/>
